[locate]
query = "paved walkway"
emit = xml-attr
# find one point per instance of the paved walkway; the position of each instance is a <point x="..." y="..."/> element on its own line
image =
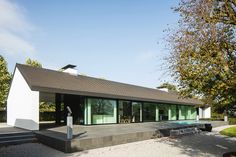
<point x="4" y="128"/>
<point x="199" y="145"/>
<point x="218" y="129"/>
<point x="3" y="125"/>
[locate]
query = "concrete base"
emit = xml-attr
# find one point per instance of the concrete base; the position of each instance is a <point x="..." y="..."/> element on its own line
<point x="90" y="137"/>
<point x="80" y="143"/>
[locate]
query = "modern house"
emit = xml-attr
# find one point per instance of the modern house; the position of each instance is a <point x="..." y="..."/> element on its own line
<point x="92" y="100"/>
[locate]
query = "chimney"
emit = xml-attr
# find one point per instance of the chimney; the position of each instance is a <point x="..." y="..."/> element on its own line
<point x="70" y="69"/>
<point x="164" y="89"/>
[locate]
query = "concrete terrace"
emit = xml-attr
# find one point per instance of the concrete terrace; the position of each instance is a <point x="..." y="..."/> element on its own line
<point x="95" y="136"/>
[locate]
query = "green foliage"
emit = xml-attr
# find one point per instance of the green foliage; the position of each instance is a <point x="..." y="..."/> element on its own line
<point x="3" y="115"/>
<point x="232" y="121"/>
<point x="212" y="119"/>
<point x="44" y="106"/>
<point x="169" y="86"/>
<point x="217" y="115"/>
<point x="33" y="63"/>
<point x="47" y="116"/>
<point x="222" y="11"/>
<point x="5" y="79"/>
<point x="229" y="132"/>
<point x="47" y="106"/>
<point x="203" y="52"/>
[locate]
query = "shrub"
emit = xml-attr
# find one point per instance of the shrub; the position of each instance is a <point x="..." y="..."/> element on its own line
<point x="47" y="116"/>
<point x="217" y="115"/>
<point x="3" y="116"/>
<point x="212" y="119"/>
<point x="232" y="121"/>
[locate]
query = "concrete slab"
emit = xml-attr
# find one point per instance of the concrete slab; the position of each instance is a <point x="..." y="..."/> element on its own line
<point x="95" y="136"/>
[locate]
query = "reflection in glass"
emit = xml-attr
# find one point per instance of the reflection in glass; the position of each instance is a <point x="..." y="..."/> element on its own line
<point x="102" y="111"/>
<point x="136" y="110"/>
<point x="149" y="112"/>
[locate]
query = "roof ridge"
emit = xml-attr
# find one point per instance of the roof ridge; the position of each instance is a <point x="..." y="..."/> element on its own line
<point x="95" y="78"/>
<point x="103" y="83"/>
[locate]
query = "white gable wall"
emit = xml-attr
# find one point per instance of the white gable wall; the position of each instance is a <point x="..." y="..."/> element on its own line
<point x="22" y="104"/>
<point x="205" y="112"/>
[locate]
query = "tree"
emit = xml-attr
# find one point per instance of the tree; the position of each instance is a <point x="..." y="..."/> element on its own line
<point x="44" y="106"/>
<point x="5" y="79"/>
<point x="33" y="63"/>
<point x="169" y="86"/>
<point x="203" y="51"/>
<point x="222" y="11"/>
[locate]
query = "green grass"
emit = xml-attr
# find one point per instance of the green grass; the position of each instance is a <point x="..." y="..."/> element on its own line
<point x="229" y="132"/>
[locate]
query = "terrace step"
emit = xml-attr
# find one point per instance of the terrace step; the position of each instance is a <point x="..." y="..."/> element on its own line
<point x="15" y="134"/>
<point x="17" y="138"/>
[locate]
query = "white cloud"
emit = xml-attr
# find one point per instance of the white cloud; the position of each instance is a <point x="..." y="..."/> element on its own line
<point x="14" y="29"/>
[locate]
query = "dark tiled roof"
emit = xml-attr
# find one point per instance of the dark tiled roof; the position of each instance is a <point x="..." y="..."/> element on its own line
<point x="40" y="79"/>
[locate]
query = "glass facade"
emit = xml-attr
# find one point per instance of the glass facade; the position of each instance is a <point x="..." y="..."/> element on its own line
<point x="125" y="115"/>
<point x="149" y="112"/>
<point x="164" y="113"/>
<point x="130" y="112"/>
<point x="107" y="111"/>
<point x="136" y="112"/>
<point x="186" y="112"/>
<point x="172" y="112"/>
<point x="100" y="111"/>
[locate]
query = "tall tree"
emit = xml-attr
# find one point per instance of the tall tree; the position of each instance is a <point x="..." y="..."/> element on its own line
<point x="5" y="79"/>
<point x="169" y="86"/>
<point x="44" y="106"/>
<point x="33" y="63"/>
<point x="203" y="51"/>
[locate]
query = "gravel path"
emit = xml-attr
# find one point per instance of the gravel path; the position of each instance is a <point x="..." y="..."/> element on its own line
<point x="199" y="145"/>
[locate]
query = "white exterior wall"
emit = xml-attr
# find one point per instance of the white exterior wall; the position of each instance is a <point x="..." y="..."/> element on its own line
<point x="207" y="112"/>
<point x="22" y="104"/>
<point x="204" y="112"/>
<point x="71" y="71"/>
<point x="200" y="111"/>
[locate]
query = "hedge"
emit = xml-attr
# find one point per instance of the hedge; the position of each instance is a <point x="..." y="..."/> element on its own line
<point x="212" y="119"/>
<point x="232" y="121"/>
<point x="3" y="116"/>
<point x="46" y="116"/>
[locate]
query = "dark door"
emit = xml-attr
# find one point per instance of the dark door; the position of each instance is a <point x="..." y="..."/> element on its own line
<point x="76" y="103"/>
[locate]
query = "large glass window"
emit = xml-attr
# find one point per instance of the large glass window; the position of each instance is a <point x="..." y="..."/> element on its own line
<point x="182" y="112"/>
<point x="100" y="111"/>
<point x="192" y="113"/>
<point x="125" y="113"/>
<point x="187" y="112"/>
<point x="149" y="112"/>
<point x="136" y="112"/>
<point x="172" y="112"/>
<point x="130" y="112"/>
<point x="163" y="112"/>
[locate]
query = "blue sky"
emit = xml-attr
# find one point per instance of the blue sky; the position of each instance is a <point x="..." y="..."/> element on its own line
<point x="118" y="40"/>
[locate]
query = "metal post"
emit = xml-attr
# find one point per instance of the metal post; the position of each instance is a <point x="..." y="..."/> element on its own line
<point x="226" y="118"/>
<point x="69" y="124"/>
<point x="197" y="118"/>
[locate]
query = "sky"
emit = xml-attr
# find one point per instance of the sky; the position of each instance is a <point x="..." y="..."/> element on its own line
<point x="119" y="40"/>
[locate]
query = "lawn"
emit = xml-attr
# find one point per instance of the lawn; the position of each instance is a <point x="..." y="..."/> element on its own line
<point x="229" y="132"/>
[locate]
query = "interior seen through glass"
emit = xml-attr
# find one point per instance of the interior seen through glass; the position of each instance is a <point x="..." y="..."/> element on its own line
<point x="107" y="111"/>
